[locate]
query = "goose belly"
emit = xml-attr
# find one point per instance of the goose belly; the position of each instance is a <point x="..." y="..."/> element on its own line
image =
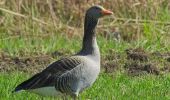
<point x="46" y="91"/>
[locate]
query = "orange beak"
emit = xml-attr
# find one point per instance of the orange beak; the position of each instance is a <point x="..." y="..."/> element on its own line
<point x="106" y="12"/>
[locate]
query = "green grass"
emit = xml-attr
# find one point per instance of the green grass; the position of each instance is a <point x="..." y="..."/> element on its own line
<point x="49" y="44"/>
<point x="115" y="86"/>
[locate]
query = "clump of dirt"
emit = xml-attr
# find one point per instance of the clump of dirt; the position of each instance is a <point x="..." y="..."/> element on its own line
<point x="166" y="68"/>
<point x="136" y="68"/>
<point x="25" y="64"/>
<point x="157" y="54"/>
<point x="60" y="53"/>
<point x="56" y="54"/>
<point x="137" y="62"/>
<point x="137" y="54"/>
<point x="110" y="66"/>
<point x="110" y="61"/>
<point x="165" y="55"/>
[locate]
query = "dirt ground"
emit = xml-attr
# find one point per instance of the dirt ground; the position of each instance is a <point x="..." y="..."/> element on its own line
<point x="28" y="64"/>
<point x="133" y="61"/>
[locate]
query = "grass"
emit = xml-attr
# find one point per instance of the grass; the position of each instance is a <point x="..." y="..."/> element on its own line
<point x="115" y="86"/>
<point x="25" y="37"/>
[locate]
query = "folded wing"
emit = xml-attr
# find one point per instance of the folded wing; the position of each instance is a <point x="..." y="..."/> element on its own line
<point x="51" y="75"/>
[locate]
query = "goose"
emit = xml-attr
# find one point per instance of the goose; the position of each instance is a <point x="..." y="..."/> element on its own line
<point x="71" y="75"/>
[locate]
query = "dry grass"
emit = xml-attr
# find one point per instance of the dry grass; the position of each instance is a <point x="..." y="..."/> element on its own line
<point x="49" y="16"/>
<point x="146" y="20"/>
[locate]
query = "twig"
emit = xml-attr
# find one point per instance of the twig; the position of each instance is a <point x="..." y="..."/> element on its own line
<point x="24" y="16"/>
<point x="126" y="20"/>
<point x="1" y="20"/>
<point x="142" y="21"/>
<point x="17" y="36"/>
<point x="14" y="13"/>
<point x="11" y="37"/>
<point x="54" y="18"/>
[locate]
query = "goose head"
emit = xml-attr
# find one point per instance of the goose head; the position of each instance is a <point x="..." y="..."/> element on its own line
<point x="97" y="12"/>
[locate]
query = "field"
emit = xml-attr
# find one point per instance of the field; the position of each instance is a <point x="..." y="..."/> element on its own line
<point x="135" y="66"/>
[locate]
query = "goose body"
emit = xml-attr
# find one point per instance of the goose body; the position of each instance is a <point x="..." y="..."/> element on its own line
<point x="73" y="74"/>
<point x="71" y="81"/>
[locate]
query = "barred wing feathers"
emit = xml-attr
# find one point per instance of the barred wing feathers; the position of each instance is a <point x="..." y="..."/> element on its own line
<point x="52" y="75"/>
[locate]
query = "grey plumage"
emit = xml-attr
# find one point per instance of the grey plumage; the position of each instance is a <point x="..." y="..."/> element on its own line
<point x="73" y="74"/>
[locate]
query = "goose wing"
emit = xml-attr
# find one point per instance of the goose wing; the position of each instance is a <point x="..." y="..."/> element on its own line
<point x="51" y="74"/>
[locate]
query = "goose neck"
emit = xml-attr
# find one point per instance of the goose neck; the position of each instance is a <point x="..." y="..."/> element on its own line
<point x="90" y="46"/>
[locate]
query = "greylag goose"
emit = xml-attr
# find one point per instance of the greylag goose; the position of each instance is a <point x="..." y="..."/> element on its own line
<point x="71" y="75"/>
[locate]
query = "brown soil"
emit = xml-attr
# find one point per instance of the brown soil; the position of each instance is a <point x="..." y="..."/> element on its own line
<point x="165" y="55"/>
<point x="138" y="62"/>
<point x="166" y="68"/>
<point x="110" y="66"/>
<point x="26" y="64"/>
<point x="137" y="54"/>
<point x="110" y="61"/>
<point x="135" y="68"/>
